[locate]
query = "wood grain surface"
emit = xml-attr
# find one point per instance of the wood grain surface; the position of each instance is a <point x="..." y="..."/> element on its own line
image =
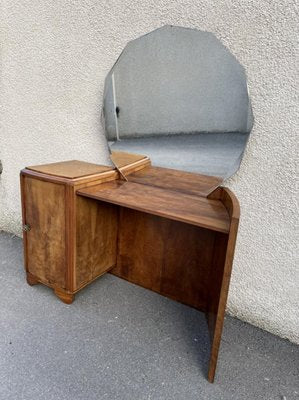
<point x="96" y="237"/>
<point x="186" y="182"/>
<point x="45" y="214"/>
<point x="71" y="169"/>
<point x="220" y="274"/>
<point x="123" y="159"/>
<point x="200" y="211"/>
<point x="168" y="257"/>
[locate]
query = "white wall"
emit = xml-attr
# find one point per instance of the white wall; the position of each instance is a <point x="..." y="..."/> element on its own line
<point x="55" y="55"/>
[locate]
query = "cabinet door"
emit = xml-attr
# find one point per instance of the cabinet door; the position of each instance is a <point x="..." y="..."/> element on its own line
<point x="96" y="227"/>
<point x="44" y="214"/>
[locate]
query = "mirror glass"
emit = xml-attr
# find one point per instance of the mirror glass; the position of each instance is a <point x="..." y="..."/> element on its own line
<point x="180" y="97"/>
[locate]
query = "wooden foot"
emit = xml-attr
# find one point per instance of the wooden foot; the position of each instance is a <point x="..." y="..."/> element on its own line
<point x="67" y="298"/>
<point x="31" y="279"/>
<point x="211" y="372"/>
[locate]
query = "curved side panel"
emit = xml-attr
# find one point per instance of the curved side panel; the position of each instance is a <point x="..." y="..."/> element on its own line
<point x="224" y="248"/>
<point x="229" y="200"/>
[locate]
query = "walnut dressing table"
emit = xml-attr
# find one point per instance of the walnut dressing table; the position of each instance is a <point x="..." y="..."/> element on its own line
<point x="169" y="231"/>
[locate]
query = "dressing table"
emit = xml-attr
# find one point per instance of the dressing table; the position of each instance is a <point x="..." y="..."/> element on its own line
<point x="169" y="231"/>
<point x="162" y="220"/>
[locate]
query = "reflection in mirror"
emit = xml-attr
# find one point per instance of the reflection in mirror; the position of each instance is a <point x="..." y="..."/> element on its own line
<point x="180" y="97"/>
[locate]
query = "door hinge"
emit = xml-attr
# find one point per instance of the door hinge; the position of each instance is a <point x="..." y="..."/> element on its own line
<point x="26" y="228"/>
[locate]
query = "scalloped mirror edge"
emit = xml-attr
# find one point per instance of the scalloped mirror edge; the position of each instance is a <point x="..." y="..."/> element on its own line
<point x="178" y="96"/>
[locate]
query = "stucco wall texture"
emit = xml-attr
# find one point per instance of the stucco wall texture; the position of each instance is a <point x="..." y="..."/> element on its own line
<point x="55" y="56"/>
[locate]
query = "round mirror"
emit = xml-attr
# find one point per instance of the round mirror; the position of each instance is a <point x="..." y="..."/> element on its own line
<point x="180" y="97"/>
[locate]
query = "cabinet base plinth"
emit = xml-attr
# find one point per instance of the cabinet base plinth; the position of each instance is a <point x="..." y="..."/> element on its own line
<point x="66" y="297"/>
<point x="31" y="279"/>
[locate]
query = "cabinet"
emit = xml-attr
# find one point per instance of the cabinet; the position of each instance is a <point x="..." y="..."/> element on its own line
<point x="169" y="231"/>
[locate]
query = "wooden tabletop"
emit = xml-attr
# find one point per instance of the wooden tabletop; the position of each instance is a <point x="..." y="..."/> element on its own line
<point x="179" y="206"/>
<point x="172" y="179"/>
<point x="122" y="159"/>
<point x="71" y="169"/>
